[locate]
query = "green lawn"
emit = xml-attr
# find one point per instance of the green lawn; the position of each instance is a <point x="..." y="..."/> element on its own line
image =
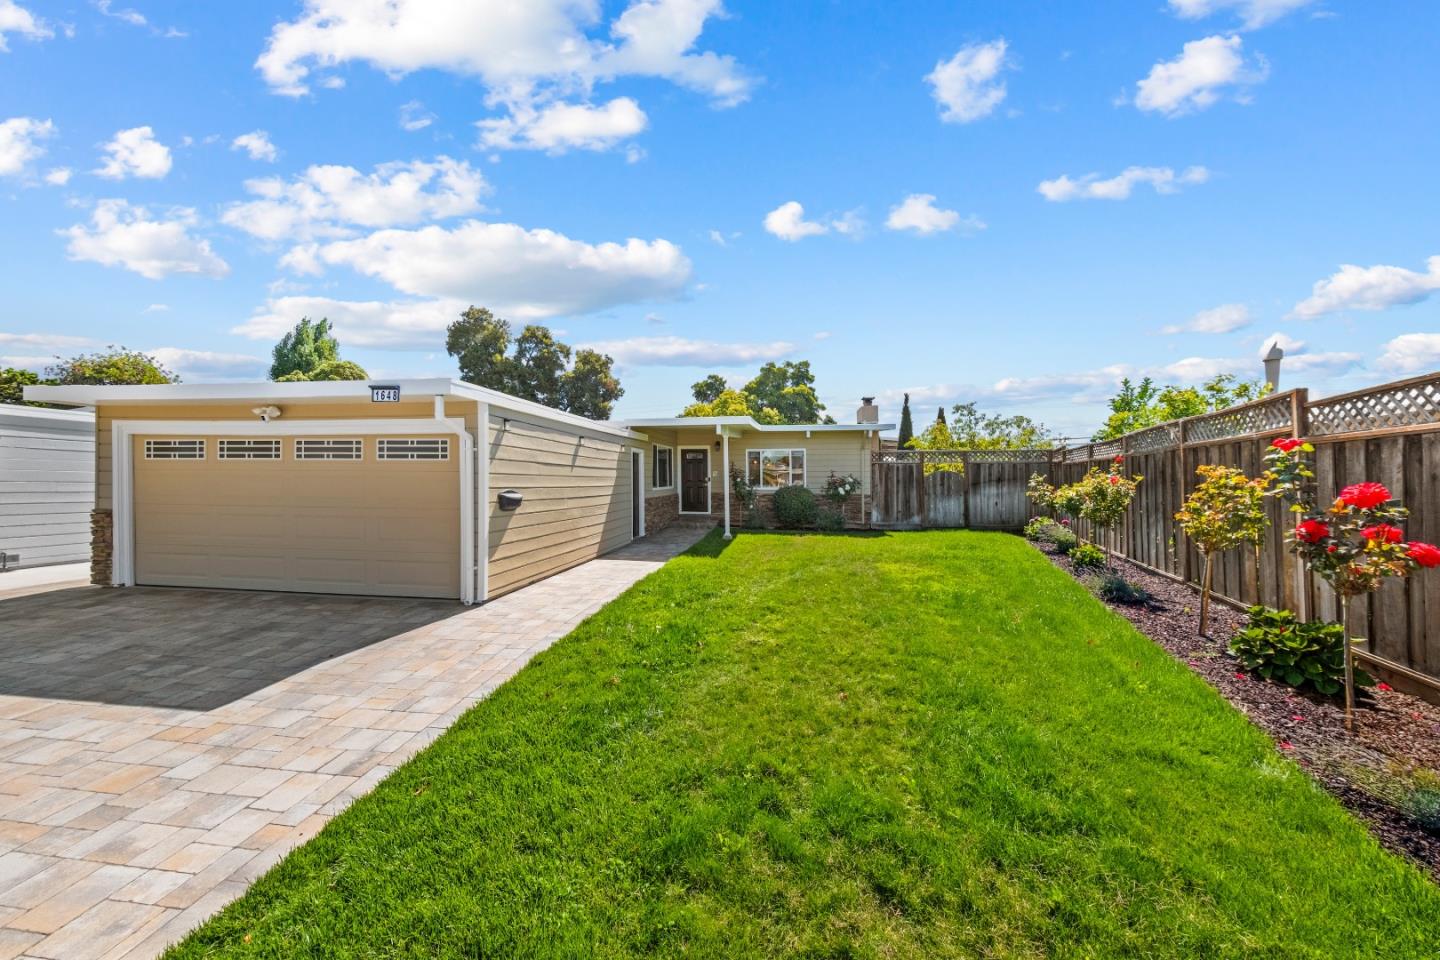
<point x="914" y="745"/>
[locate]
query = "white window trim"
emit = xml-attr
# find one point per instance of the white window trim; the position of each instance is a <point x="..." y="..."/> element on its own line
<point x="804" y="470"/>
<point x="709" y="482"/>
<point x="445" y="459"/>
<point x="295" y="451"/>
<point x="122" y="473"/>
<point x="149" y="447"/>
<point x="637" y="460"/>
<point x="220" y="450"/>
<point x="655" y="450"/>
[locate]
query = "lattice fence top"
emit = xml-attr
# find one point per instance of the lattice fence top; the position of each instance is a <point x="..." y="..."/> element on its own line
<point x="1266" y="416"/>
<point x="1106" y="449"/>
<point x="1154" y="438"/>
<point x="1409" y="403"/>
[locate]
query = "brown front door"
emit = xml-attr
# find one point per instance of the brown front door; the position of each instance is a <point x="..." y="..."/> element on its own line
<point x="695" y="481"/>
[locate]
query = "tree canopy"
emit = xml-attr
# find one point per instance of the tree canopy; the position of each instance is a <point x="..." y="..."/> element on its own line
<point x="1143" y="404"/>
<point x="111" y="367"/>
<point x="13" y="382"/>
<point x="907" y="425"/>
<point x="540" y="368"/>
<point x="304" y="349"/>
<point x="974" y="430"/>
<point x="779" y="393"/>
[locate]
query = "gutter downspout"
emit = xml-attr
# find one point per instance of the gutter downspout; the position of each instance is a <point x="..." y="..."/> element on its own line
<point x="467" y="500"/>
<point x="482" y="501"/>
<point x="725" y="474"/>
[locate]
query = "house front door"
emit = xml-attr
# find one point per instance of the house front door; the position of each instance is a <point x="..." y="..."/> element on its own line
<point x="695" y="481"/>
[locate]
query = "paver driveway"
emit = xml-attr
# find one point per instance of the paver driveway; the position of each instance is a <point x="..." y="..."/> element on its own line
<point x="160" y="749"/>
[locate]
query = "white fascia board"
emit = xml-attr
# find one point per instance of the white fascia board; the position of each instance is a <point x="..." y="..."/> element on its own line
<point x="269" y="390"/>
<point x="750" y="424"/>
<point x="37" y="415"/>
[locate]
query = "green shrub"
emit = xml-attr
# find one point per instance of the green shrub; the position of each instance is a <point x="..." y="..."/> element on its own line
<point x="795" y="507"/>
<point x="1114" y="588"/>
<point x="1065" y="541"/>
<point x="1276" y="645"/>
<point x="831" y="521"/>
<point x="1423" y="806"/>
<point x="1087" y="556"/>
<point x="1039" y="528"/>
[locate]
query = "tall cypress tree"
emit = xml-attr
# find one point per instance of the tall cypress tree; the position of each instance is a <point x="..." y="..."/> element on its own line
<point x="940" y="417"/>
<point x="907" y="429"/>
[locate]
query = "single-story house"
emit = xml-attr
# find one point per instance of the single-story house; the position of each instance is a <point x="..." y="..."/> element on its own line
<point x="419" y="488"/>
<point x="47" y="485"/>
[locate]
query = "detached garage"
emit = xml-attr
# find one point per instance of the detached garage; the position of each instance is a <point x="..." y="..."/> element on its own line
<point x="419" y="488"/>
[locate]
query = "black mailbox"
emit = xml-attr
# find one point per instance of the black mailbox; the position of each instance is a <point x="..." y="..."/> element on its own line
<point x="510" y="499"/>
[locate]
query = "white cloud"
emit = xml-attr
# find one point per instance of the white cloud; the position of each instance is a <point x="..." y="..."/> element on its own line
<point x="966" y="86"/>
<point x="414" y="116"/>
<point x="1090" y="187"/>
<point x="257" y="144"/>
<point x="157" y="308"/>
<point x="1226" y="318"/>
<point x="135" y="153"/>
<point x="1412" y="353"/>
<point x="20" y="143"/>
<point x="16" y="19"/>
<point x="209" y="365"/>
<point x="26" y="362"/>
<point x="683" y="352"/>
<point x="331" y="201"/>
<point x="402" y="324"/>
<point x="1369" y="288"/>
<point x="523" y="52"/>
<point x="44" y="341"/>
<point x="1197" y="78"/>
<point x="788" y="222"/>
<point x="918" y="213"/>
<point x="1253" y="14"/>
<point x="559" y="127"/>
<point x="59" y="176"/>
<point x="517" y="272"/>
<point x="121" y="235"/>
<point x="133" y="17"/>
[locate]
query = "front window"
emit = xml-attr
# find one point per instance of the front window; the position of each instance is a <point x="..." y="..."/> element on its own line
<point x="770" y="469"/>
<point x="662" y="476"/>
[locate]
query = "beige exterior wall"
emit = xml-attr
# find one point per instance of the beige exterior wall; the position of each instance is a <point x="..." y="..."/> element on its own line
<point x="577" y="498"/>
<point x="663" y="438"/>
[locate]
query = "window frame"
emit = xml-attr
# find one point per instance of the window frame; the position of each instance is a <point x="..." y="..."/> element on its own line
<point x="385" y="445"/>
<point x="655" y="467"/>
<point x="248" y="448"/>
<point x="759" y="482"/>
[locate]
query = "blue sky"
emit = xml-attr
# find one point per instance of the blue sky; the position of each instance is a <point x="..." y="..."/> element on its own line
<point x="1006" y="202"/>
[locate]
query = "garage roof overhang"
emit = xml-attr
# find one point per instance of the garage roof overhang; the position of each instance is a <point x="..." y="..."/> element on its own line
<point x="334" y="391"/>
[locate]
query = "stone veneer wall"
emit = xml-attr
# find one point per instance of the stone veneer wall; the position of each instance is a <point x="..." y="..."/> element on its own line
<point x="856" y="510"/>
<point x="102" y="545"/>
<point x="661" y="511"/>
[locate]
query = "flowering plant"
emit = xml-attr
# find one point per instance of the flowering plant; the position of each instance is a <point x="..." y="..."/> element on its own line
<point x="1354" y="543"/>
<point x="1224" y="510"/>
<point x="839" y="489"/>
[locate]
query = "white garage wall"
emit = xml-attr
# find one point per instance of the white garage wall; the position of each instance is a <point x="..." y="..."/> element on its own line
<point x="47" y="484"/>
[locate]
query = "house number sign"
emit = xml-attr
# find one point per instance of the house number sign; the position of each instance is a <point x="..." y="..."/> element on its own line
<point x="384" y="394"/>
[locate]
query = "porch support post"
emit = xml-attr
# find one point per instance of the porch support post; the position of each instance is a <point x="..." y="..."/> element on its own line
<point x="725" y="476"/>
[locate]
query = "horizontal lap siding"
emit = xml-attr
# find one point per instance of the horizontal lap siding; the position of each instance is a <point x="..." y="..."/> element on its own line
<point x="843" y="453"/>
<point x="47" y="488"/>
<point x="576" y="506"/>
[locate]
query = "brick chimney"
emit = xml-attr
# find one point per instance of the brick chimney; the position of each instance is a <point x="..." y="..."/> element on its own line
<point x="868" y="412"/>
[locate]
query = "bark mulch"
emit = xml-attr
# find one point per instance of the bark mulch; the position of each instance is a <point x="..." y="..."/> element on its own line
<point x="1370" y="771"/>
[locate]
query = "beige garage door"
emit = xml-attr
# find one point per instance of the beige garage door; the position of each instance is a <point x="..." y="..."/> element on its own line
<point x="377" y="516"/>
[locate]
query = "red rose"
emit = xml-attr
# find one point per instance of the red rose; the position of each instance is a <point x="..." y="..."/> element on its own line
<point x="1311" y="531"/>
<point x="1114" y="479"/>
<point x="1118" y="459"/>
<point x="1383" y="532"/>
<point x="1286" y="443"/>
<point x="1383" y="687"/>
<point x="1330" y="549"/>
<point x="1425" y="554"/>
<point x="1364" y="496"/>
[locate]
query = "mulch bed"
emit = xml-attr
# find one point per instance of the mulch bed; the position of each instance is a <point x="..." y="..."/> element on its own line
<point x="1395" y="734"/>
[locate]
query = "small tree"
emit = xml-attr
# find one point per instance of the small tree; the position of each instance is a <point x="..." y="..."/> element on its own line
<point x="907" y="427"/>
<point x="303" y="349"/>
<point x="329" y="370"/>
<point x="116" y="366"/>
<point x="1354" y="543"/>
<point x="1225" y="510"/>
<point x="13" y="382"/>
<point x="1105" y="496"/>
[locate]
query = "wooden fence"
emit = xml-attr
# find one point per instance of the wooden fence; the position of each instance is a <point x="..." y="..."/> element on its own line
<point x="1388" y="433"/>
<point x="916" y="489"/>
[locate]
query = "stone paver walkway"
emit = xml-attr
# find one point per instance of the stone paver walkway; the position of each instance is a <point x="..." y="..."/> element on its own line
<point x="160" y="749"/>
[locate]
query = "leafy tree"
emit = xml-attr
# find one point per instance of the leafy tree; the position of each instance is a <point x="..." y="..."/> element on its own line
<point x="789" y="389"/>
<point x="329" y="370"/>
<point x="974" y="430"/>
<point x="13" y="382"/>
<point x="1142" y="405"/>
<point x="115" y="366"/>
<point x="590" y="388"/>
<point x="732" y="403"/>
<point x="1225" y="509"/>
<point x="303" y="349"/>
<point x="539" y="369"/>
<point x="907" y="427"/>
<point x="937" y="436"/>
<point x="707" y="390"/>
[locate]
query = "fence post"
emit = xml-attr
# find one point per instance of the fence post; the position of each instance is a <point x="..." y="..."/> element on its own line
<point x="965" y="489"/>
<point x="1182" y="541"/>
<point x="1127" y="529"/>
<point x="920" y="487"/>
<point x="1299" y="426"/>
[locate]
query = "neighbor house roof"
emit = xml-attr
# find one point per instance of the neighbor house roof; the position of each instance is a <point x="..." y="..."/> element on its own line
<point x="750" y="423"/>
<point x="339" y="391"/>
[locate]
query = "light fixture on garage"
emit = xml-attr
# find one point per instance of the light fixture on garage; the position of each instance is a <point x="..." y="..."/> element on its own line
<point x="266" y="414"/>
